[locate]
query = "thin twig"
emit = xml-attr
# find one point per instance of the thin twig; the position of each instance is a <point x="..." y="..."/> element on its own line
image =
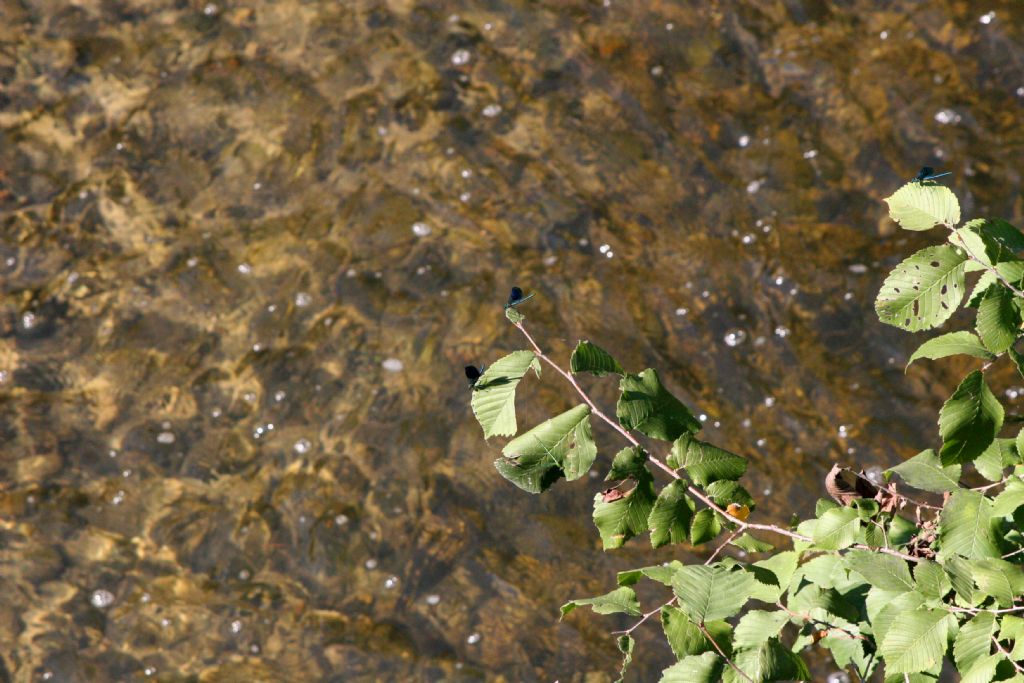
<point x="694" y="491"/>
<point x="727" y="541"/>
<point x="1018" y="551"/>
<point x="1007" y="655"/>
<point x="728" y="661"/>
<point x="979" y="610"/>
<point x="818" y="622"/>
<point x="643" y="619"/>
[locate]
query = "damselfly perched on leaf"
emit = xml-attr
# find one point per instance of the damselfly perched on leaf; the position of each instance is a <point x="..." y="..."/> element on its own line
<point x="928" y="173"/>
<point x="516" y="297"/>
<point x="473" y="373"/>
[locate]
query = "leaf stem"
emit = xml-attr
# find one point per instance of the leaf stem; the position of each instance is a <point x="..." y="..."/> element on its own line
<point x="643" y="619"/>
<point x="1007" y="655"/>
<point x="721" y="652"/>
<point x="694" y="491"/>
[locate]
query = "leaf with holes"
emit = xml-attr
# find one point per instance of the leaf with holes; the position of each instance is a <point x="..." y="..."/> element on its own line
<point x="969" y="420"/>
<point x="924" y="290"/>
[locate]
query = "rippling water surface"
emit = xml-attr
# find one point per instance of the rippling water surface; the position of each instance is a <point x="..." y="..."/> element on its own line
<point x="246" y="249"/>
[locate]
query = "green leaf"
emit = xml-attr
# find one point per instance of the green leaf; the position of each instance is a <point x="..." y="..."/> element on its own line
<point x="494" y="394"/>
<point x="966" y="526"/>
<point x="990" y="463"/>
<point x="514" y="316"/>
<point x="825" y="570"/>
<point x="662" y="573"/>
<point x="950" y="344"/>
<point x="931" y="580"/>
<point x="620" y="600"/>
<point x="625" y="644"/>
<point x="974" y="641"/>
<point x="588" y="357"/>
<point x="751" y="544"/>
<point x="987" y="280"/>
<point x="926" y="472"/>
<point x="773" y="575"/>
<point x="915" y="641"/>
<point x="893" y="605"/>
<point x="886" y="572"/>
<point x="769" y="662"/>
<point x="706" y="463"/>
<point x="1010" y="499"/>
<point x="998" y="319"/>
<point x="924" y="290"/>
<point x="837" y="529"/>
<point x="983" y="670"/>
<point x="922" y="206"/>
<point x="562" y="445"/>
<point x="671" y="516"/>
<point x="757" y="626"/>
<point x="685" y="638"/>
<point x="647" y="407"/>
<point x="1002" y="580"/>
<point x="628" y="463"/>
<point x="724" y="492"/>
<point x="619" y="519"/>
<point x="707" y="593"/>
<point x="705" y="526"/>
<point x="1009" y="239"/>
<point x="959" y="571"/>
<point x="1018" y="360"/>
<point x="969" y="420"/>
<point x="705" y="668"/>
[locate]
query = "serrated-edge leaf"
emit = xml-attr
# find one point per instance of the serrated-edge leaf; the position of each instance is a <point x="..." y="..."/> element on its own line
<point x="620" y="520"/>
<point x="494" y="394"/>
<point x="837" y="529"/>
<point x="969" y="421"/>
<point x="708" y="593"/>
<point x="757" y="626"/>
<point x="915" y="641"/>
<point x="926" y="472"/>
<point x="1011" y="497"/>
<point x="772" y="575"/>
<point x="924" y="290"/>
<point x="931" y="580"/>
<point x="1002" y="580"/>
<point x="565" y="441"/>
<point x="647" y="406"/>
<point x="706" y="463"/>
<point x="998" y="319"/>
<point x="770" y="662"/>
<point x="703" y="668"/>
<point x="886" y="572"/>
<point x="966" y="525"/>
<point x="622" y="600"/>
<point x="922" y="206"/>
<point x="705" y="526"/>
<point x="951" y="344"/>
<point x="589" y="357"/>
<point x="974" y="640"/>
<point x="671" y="516"/>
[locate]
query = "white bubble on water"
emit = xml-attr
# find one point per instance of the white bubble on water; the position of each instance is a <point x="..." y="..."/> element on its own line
<point x="244" y="268"/>
<point x="744" y="140"/>
<point x="461" y="57"/>
<point x="734" y="337"/>
<point x="987" y="18"/>
<point x="393" y="365"/>
<point x="101" y="599"/>
<point x="165" y="437"/>
<point x="433" y="599"/>
<point x="302" y="446"/>
<point x="421" y="229"/>
<point x="491" y="110"/>
<point x="473" y="638"/>
<point x="303" y="299"/>
<point x="947" y="116"/>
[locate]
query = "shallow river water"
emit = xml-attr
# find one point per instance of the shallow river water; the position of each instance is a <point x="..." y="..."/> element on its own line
<point x="247" y="247"/>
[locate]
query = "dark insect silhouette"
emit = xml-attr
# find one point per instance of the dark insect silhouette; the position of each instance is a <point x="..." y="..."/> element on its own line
<point x="516" y="297"/>
<point x="473" y="373"/>
<point x="928" y="173"/>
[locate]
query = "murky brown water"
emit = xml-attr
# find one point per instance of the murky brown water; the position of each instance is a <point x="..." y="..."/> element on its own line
<point x="245" y="250"/>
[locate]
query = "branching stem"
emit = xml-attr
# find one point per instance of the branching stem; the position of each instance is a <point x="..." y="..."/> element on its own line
<point x="693" y="490"/>
<point x="721" y="652"/>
